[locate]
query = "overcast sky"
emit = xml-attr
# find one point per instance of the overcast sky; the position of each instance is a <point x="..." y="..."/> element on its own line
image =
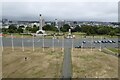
<point x="61" y="10"/>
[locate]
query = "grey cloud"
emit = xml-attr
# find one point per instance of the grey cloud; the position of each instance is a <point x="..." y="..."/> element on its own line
<point x="83" y="11"/>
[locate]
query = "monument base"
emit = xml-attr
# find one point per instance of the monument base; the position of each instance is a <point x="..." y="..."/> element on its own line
<point x="40" y="33"/>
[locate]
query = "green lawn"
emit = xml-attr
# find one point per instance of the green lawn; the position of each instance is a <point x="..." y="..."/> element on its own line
<point x="113" y="50"/>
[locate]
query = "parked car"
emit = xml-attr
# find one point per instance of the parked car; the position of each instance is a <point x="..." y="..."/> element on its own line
<point x="113" y="41"/>
<point x="98" y="41"/>
<point x="104" y="41"/>
<point x="109" y="41"/>
<point x="95" y="41"/>
<point x="78" y="47"/>
<point x="84" y="42"/>
<point x="118" y="41"/>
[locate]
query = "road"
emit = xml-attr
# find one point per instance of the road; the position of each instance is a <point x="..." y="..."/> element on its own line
<point x="28" y="42"/>
<point x="67" y="65"/>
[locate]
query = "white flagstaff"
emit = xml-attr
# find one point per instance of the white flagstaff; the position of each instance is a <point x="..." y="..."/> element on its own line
<point x="82" y="46"/>
<point x="43" y="43"/>
<point x="22" y="44"/>
<point x="101" y="44"/>
<point x="58" y="42"/>
<point x="72" y="44"/>
<point x="91" y="43"/>
<point x="53" y="43"/>
<point x="1" y="42"/>
<point x="63" y="44"/>
<point x="33" y="44"/>
<point x="1" y="58"/>
<point x="12" y="42"/>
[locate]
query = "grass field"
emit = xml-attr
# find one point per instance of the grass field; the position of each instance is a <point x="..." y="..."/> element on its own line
<point x="38" y="64"/>
<point x="94" y="64"/>
<point x="48" y="64"/>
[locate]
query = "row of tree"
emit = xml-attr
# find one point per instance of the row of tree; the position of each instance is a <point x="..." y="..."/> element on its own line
<point x="100" y="30"/>
<point x="93" y="30"/>
<point x="13" y="29"/>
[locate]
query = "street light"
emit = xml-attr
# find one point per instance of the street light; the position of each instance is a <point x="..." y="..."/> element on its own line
<point x="22" y="43"/>
<point x="12" y="42"/>
<point x="33" y="44"/>
<point x="63" y="43"/>
<point x="53" y="42"/>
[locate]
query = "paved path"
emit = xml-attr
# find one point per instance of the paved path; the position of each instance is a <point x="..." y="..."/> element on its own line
<point x="67" y="67"/>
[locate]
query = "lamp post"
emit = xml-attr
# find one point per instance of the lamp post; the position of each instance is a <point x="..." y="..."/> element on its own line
<point x="91" y="43"/>
<point x="33" y="44"/>
<point x="43" y="43"/>
<point x="22" y="43"/>
<point x="63" y="44"/>
<point x="53" y="43"/>
<point x="12" y="42"/>
<point x="101" y="44"/>
<point x="72" y="44"/>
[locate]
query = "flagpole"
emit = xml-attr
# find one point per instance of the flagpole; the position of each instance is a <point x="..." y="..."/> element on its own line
<point x="72" y="44"/>
<point x="91" y="43"/>
<point x="82" y="46"/>
<point x="53" y="43"/>
<point x="63" y="44"/>
<point x="12" y="42"/>
<point x="2" y="42"/>
<point x="33" y="44"/>
<point x="43" y="43"/>
<point x="101" y="44"/>
<point x="22" y="44"/>
<point x="58" y="42"/>
<point x="1" y="55"/>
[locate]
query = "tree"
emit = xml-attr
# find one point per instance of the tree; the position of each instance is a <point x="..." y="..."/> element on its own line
<point x="77" y="29"/>
<point x="117" y="30"/>
<point x="112" y="33"/>
<point x="103" y="30"/>
<point x="87" y="29"/>
<point x="12" y="28"/>
<point x="29" y="29"/>
<point x="65" y="28"/>
<point x="34" y="29"/>
<point x="47" y="27"/>
<point x="20" y="30"/>
<point x="4" y="30"/>
<point x="50" y="28"/>
<point x="54" y="28"/>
